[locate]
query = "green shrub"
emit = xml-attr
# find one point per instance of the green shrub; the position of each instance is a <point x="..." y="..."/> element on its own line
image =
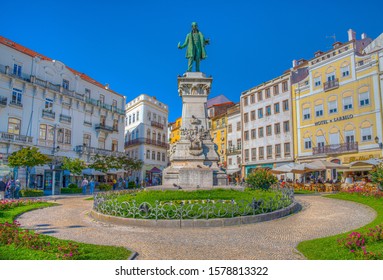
<point x="132" y="185"/>
<point x="104" y="187"/>
<point x="70" y="190"/>
<point x="72" y="186"/>
<point x="261" y="179"/>
<point x="31" y="193"/>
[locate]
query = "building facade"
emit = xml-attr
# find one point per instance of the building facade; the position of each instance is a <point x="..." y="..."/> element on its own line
<point x="267" y="125"/>
<point x="146" y="137"/>
<point x="63" y="112"/>
<point x="337" y="103"/>
<point x="234" y="144"/>
<point x="175" y="131"/>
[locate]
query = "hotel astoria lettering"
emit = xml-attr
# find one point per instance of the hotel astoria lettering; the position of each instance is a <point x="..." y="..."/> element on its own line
<point x="337" y="119"/>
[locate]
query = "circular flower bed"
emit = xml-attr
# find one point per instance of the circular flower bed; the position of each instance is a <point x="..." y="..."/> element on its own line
<point x="200" y="204"/>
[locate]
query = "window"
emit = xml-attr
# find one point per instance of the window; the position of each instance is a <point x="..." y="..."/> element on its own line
<point x="268" y="130"/>
<point x="307" y="142"/>
<point x="260" y="113"/>
<point x="345" y="71"/>
<point x="246" y="117"/>
<point x="267" y="93"/>
<point x="364" y="99"/>
<point x="317" y="81"/>
<point x="230" y="143"/>
<point x="158" y="156"/>
<point x="268" y="110"/>
<point x="102" y="120"/>
<point x="246" y="155"/>
<point x="261" y="152"/>
<point x="260" y="132"/>
<point x="366" y="134"/>
<point x="350" y="136"/>
<point x="65" y="84"/>
<point x="230" y="128"/>
<point x="114" y="103"/>
<point x="114" y="145"/>
<point x="67" y="136"/>
<point x="319" y="110"/>
<point x="331" y="77"/>
<point x="320" y="141"/>
<point x="252" y="99"/>
<point x="60" y="135"/>
<point x="102" y="99"/>
<point x="154" y="117"/>
<point x="285" y="105"/>
<point x="286" y="126"/>
<point x="277" y="128"/>
<point x="101" y="143"/>
<point x="253" y="133"/>
<point x="153" y="155"/>
<point x="14" y="126"/>
<point x="17" y="70"/>
<point x="239" y="144"/>
<point x="278" y="150"/>
<point x="245" y="101"/>
<point x="306" y="114"/>
<point x="115" y="124"/>
<point x="138" y="115"/>
<point x="347" y="103"/>
<point x="50" y="132"/>
<point x="332" y="107"/>
<point x="260" y="96"/>
<point x="269" y="151"/>
<point x="163" y="156"/>
<point x="147" y="154"/>
<point x="253" y="154"/>
<point x="276" y="108"/>
<point x="285" y="86"/>
<point x="43" y="132"/>
<point x="17" y="95"/>
<point x="149" y="116"/>
<point x="87" y="92"/>
<point x="238" y="126"/>
<point x="86" y="140"/>
<point x="230" y="161"/>
<point x="287" y="149"/>
<point x="246" y="135"/>
<point x="276" y="89"/>
<point x="48" y="104"/>
<point x="252" y="115"/>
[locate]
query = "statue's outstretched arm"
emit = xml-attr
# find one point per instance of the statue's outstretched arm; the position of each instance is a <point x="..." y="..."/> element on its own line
<point x="184" y="44"/>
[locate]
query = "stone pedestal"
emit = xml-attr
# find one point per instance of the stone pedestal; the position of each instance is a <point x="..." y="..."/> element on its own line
<point x="194" y="159"/>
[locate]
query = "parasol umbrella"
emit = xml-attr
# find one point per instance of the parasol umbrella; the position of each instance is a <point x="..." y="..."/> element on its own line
<point x="323" y="165"/>
<point x="286" y="168"/>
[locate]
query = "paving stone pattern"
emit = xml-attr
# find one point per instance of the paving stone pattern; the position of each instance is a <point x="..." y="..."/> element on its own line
<point x="275" y="239"/>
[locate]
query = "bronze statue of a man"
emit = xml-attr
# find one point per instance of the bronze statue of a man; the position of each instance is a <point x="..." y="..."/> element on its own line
<point x="195" y="43"/>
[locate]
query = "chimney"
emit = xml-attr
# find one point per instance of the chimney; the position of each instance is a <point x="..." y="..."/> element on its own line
<point x="363" y="36"/>
<point x="294" y="63"/>
<point x="351" y="34"/>
<point x="106" y="86"/>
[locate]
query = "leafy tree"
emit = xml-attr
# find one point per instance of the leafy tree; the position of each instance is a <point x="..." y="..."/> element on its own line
<point x="377" y="176"/>
<point x="104" y="163"/>
<point x="261" y="179"/>
<point x="75" y="166"/>
<point x="27" y="157"/>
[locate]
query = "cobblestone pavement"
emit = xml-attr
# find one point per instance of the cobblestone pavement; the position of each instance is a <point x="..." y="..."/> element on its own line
<point x="275" y="239"/>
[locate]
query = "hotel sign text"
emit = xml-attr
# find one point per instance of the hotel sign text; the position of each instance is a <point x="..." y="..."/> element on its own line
<point x="337" y="119"/>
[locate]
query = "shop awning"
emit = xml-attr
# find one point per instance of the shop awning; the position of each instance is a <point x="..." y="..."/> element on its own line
<point x="92" y="172"/>
<point x="323" y="164"/>
<point x="370" y="162"/>
<point x="115" y="171"/>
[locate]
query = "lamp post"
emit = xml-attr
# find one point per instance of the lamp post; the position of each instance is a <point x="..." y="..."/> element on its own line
<point x="54" y="150"/>
<point x="379" y="143"/>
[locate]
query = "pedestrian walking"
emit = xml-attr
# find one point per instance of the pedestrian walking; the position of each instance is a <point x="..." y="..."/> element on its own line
<point x="114" y="184"/>
<point x="17" y="189"/>
<point x="84" y="185"/>
<point x="91" y="186"/>
<point x="2" y="189"/>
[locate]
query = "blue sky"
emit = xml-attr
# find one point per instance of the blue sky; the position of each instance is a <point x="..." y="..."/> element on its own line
<point x="132" y="45"/>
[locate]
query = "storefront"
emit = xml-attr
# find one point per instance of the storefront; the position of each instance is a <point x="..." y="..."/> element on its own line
<point x="251" y="168"/>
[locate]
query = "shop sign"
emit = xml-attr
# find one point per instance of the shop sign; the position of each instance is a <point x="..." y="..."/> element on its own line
<point x="360" y="158"/>
<point x="337" y="119"/>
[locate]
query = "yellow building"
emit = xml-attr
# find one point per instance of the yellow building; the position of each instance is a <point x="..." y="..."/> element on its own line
<point x="219" y="134"/>
<point x="175" y="134"/>
<point x="337" y="104"/>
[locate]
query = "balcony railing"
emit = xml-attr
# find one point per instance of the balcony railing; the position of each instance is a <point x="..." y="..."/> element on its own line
<point x="64" y="118"/>
<point x="336" y="148"/>
<point x="3" y="101"/>
<point x="330" y="85"/>
<point x="16" y="103"/>
<point x="148" y="141"/>
<point x="48" y="114"/>
<point x="104" y="127"/>
<point x="157" y="124"/>
<point x="9" y="137"/>
<point x="91" y="150"/>
<point x="232" y="150"/>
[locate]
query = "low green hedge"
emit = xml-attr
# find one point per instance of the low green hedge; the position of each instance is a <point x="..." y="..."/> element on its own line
<point x="104" y="187"/>
<point x="70" y="190"/>
<point x="72" y="186"/>
<point x="31" y="193"/>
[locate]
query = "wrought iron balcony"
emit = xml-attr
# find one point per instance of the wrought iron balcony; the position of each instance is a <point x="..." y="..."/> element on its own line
<point x="9" y="137"/>
<point x="148" y="141"/>
<point x="232" y="150"/>
<point x="48" y="114"/>
<point x="64" y="118"/>
<point x="104" y="127"/>
<point x="3" y="101"/>
<point x="16" y="103"/>
<point x="81" y="149"/>
<point x="157" y="124"/>
<point x="330" y="85"/>
<point x="336" y="148"/>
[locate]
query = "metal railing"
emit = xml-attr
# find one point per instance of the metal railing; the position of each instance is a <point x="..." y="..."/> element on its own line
<point x="157" y="124"/>
<point x="5" y="136"/>
<point x="48" y="114"/>
<point x="92" y="150"/>
<point x="148" y="141"/>
<point x="3" y="100"/>
<point x="330" y="85"/>
<point x="105" y="127"/>
<point x="336" y="148"/>
<point x="232" y="150"/>
<point x="65" y="118"/>
<point x="16" y="103"/>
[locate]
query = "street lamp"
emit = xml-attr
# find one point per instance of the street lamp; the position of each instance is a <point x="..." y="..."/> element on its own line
<point x="379" y="143"/>
<point x="54" y="150"/>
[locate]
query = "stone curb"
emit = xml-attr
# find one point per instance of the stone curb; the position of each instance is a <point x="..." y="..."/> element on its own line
<point x="198" y="223"/>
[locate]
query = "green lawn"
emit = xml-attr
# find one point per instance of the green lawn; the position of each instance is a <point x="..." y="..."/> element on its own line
<point x="328" y="248"/>
<point x="86" y="251"/>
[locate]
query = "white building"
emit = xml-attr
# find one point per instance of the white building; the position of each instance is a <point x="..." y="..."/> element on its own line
<point x="234" y="143"/>
<point x="146" y="136"/>
<point x="267" y="125"/>
<point x="61" y="111"/>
